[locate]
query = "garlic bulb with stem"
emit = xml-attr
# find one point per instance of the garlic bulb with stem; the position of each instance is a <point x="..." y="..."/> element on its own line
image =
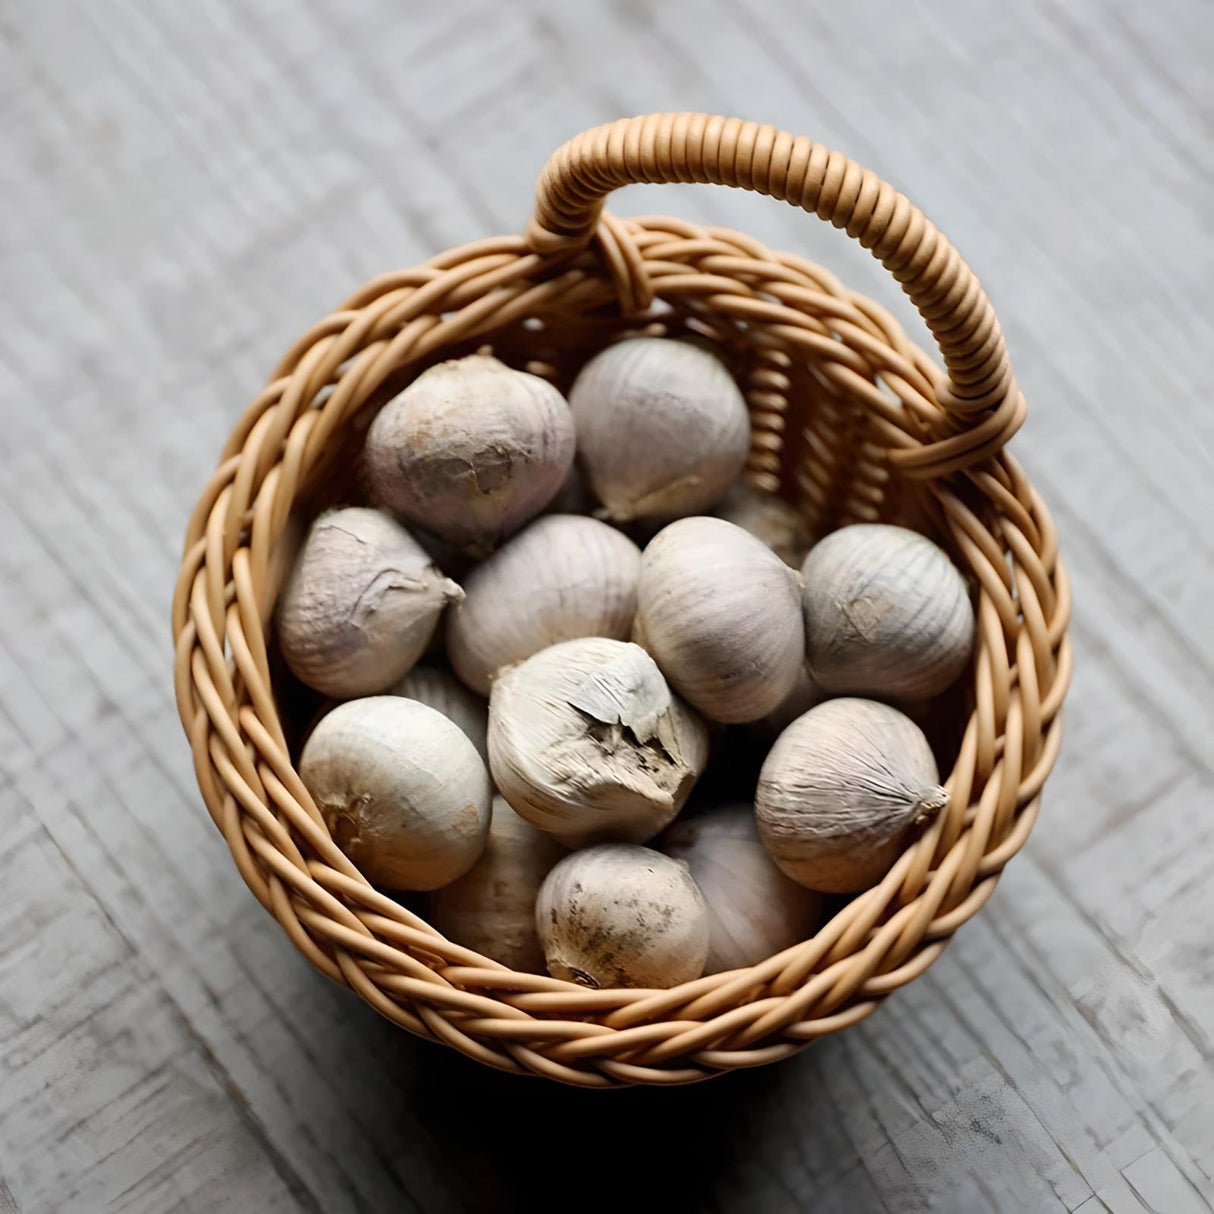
<point x="754" y="910"/>
<point x="840" y="791"/>
<point x="361" y="604"/>
<point x="622" y="915"/>
<point x="662" y="428"/>
<point x="563" y="576"/>
<point x="886" y="613"/>
<point x="442" y="691"/>
<point x="470" y="451"/>
<point x="587" y="742"/>
<point x="401" y="788"/>
<point x="721" y="614"/>
<point x="491" y="908"/>
<point x="771" y="519"/>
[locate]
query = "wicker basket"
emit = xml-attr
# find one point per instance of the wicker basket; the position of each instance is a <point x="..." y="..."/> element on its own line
<point x="850" y="422"/>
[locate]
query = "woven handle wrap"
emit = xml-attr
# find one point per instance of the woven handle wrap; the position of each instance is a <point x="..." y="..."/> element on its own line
<point x="661" y="148"/>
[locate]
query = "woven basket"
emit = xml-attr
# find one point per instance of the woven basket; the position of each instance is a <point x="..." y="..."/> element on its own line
<point x="850" y="422"/>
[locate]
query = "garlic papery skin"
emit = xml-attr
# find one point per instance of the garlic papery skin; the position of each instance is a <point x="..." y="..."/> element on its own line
<point x="402" y="790"/>
<point x="621" y="915"/>
<point x="662" y="428"/>
<point x="587" y="742"/>
<point x="754" y="910"/>
<point x="563" y="576"/>
<point x="491" y="908"/>
<point x="444" y="692"/>
<point x="470" y="451"/>
<point x="721" y="614"/>
<point x="361" y="604"/>
<point x="840" y="791"/>
<point x="886" y="613"/>
<point x="768" y="518"/>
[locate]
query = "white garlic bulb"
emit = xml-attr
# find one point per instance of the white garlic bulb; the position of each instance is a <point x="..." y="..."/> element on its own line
<point x="754" y="910"/>
<point x="886" y="613"/>
<point x="587" y="742"/>
<point x="470" y="450"/>
<point x="840" y="791"/>
<point x="721" y="614"/>
<point x="361" y="604"/>
<point x="662" y="428"/>
<point x="563" y="576"/>
<point x="768" y="518"/>
<point x="491" y="908"/>
<point x="445" y="693"/>
<point x="622" y="915"/>
<point x="401" y="788"/>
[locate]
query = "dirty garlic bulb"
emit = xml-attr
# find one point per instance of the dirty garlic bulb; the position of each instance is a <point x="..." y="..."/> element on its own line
<point x="491" y="908"/>
<point x="622" y="915"/>
<point x="470" y="451"/>
<point x="754" y="910"/>
<point x="445" y="693"/>
<point x="886" y="613"/>
<point x="361" y="604"/>
<point x="662" y="428"/>
<point x="563" y="576"/>
<point x="721" y="614"/>
<point x="768" y="518"/>
<point x="402" y="790"/>
<point x="587" y="742"/>
<point x="840" y="791"/>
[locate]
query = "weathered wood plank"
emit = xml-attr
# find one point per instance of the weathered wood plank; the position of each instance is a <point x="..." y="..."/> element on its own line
<point x="184" y="188"/>
<point x="107" y="1099"/>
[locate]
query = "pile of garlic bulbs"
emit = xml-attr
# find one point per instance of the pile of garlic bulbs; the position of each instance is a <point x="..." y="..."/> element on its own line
<point x="524" y="743"/>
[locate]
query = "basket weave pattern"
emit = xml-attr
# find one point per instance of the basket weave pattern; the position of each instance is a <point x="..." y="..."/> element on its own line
<point x="850" y="421"/>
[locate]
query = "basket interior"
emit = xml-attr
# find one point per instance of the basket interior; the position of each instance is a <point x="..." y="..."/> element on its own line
<point x="811" y="444"/>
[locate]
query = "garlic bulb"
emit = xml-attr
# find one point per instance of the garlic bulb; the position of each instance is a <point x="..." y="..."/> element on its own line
<point x="561" y="577"/>
<point x="768" y="518"/>
<point x="491" y="908"/>
<point x="445" y="693"/>
<point x="587" y="742"/>
<point x="622" y="915"/>
<point x="754" y="910"/>
<point x="361" y="604"/>
<point x="662" y="428"/>
<point x="886" y="613"/>
<point x="402" y="790"/>
<point x="721" y="614"/>
<point x="840" y="790"/>
<point x="470" y="450"/>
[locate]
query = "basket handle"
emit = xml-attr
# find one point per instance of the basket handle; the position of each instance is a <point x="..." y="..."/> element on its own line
<point x="659" y="148"/>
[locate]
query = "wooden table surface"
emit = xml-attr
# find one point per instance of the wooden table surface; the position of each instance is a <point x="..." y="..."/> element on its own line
<point x="183" y="189"/>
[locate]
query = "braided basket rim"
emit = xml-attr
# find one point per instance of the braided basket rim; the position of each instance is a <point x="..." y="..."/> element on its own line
<point x="945" y="431"/>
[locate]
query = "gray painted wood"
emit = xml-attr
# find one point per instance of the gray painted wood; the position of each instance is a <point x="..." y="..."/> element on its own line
<point x="183" y="188"/>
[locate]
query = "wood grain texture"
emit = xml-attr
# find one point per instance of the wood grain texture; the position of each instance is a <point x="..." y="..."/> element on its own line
<point x="183" y="188"/>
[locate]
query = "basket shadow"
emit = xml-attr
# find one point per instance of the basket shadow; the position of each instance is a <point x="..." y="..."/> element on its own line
<point x="509" y="1142"/>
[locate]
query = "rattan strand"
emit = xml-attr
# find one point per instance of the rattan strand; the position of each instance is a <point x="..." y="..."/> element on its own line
<point x="851" y="422"/>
